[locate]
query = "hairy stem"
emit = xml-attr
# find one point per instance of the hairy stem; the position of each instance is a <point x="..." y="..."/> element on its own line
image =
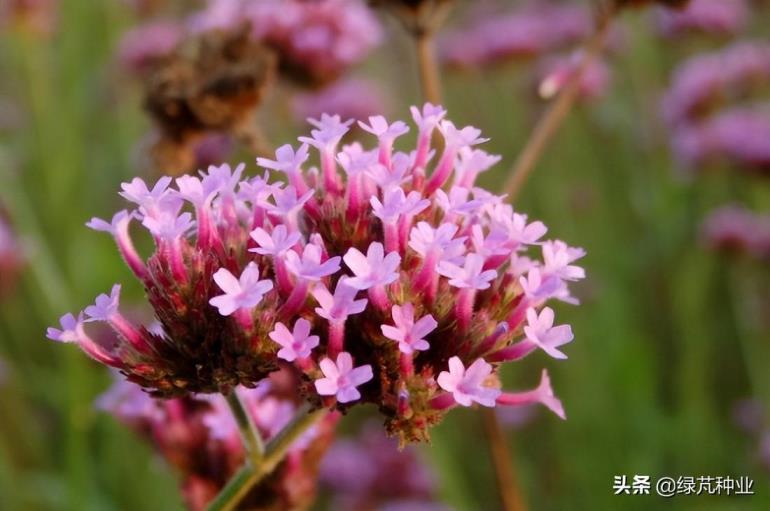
<point x="507" y="482"/>
<point x="428" y="66"/>
<point x="252" y="473"/>
<point x="552" y="119"/>
<point x="252" y="440"/>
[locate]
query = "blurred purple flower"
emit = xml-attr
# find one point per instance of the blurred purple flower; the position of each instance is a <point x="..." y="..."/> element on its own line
<point x="557" y="72"/>
<point x="718" y="17"/>
<point x="739" y="136"/>
<point x="350" y="98"/>
<point x="369" y="471"/>
<point x="709" y="80"/>
<point x="733" y="228"/>
<point x="143" y="45"/>
<point x="533" y="29"/>
<point x="316" y="41"/>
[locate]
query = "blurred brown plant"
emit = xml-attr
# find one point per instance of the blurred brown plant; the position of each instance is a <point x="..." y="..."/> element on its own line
<point x="211" y="84"/>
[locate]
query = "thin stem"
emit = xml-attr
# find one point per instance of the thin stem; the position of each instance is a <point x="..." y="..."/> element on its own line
<point x="552" y="119"/>
<point x="251" y="474"/>
<point x="251" y="437"/>
<point x="428" y="66"/>
<point x="507" y="482"/>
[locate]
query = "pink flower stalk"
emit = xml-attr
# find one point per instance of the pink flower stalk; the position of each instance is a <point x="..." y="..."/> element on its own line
<point x="142" y="46"/>
<point x="718" y="17"/>
<point x="341" y="378"/>
<point x="72" y="331"/>
<point x="197" y="436"/>
<point x="118" y="227"/>
<point x="543" y="394"/>
<point x="244" y="270"/>
<point x="351" y="98"/>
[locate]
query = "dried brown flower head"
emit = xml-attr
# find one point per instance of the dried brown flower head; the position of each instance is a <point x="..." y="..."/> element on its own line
<point x="211" y="84"/>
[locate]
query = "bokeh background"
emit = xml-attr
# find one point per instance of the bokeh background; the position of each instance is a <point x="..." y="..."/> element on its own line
<point x="672" y="335"/>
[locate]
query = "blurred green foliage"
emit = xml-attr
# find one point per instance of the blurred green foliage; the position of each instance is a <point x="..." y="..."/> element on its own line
<point x="665" y="338"/>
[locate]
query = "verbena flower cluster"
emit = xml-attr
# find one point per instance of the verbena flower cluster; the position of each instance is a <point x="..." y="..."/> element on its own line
<point x="717" y="17"/>
<point x="315" y="41"/>
<point x="11" y="256"/>
<point x="526" y="31"/>
<point x="369" y="471"/>
<point x="381" y="276"/>
<point x="542" y="30"/>
<point x="199" y="438"/>
<point x="736" y="229"/>
<point x="714" y="110"/>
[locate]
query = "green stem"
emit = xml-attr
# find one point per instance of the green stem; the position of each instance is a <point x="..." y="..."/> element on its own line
<point x="252" y="473"/>
<point x="251" y="437"/>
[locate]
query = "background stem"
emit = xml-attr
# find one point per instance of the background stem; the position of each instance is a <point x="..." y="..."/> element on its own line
<point x="252" y="473"/>
<point x="505" y="475"/>
<point x="553" y="117"/>
<point x="252" y="440"/>
<point x="428" y="67"/>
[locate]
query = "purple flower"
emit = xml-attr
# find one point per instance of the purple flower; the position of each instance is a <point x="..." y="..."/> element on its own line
<point x="295" y="344"/>
<point x="336" y="308"/>
<point x="395" y="204"/>
<point x="144" y="44"/>
<point x="70" y="329"/>
<point x="329" y="132"/>
<point x="309" y="265"/>
<point x="271" y="246"/>
<point x="424" y="239"/>
<point x="531" y="29"/>
<point x="473" y="162"/>
<point x="719" y="17"/>
<point x="286" y="159"/>
<point x="147" y="199"/>
<point x="468" y="276"/>
<point x="196" y="191"/>
<point x="457" y="202"/>
<point x="428" y="118"/>
<point x="276" y="243"/>
<point x="341" y="378"/>
<point x="351" y="98"/>
<point x="287" y="201"/>
<point x="105" y="306"/>
<point x="540" y="330"/>
<point x="373" y="269"/>
<point x="467" y="385"/>
<point x="239" y="293"/>
<point x="379" y="127"/>
<point x="459" y="138"/>
<point x="408" y="333"/>
<point x="557" y="257"/>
